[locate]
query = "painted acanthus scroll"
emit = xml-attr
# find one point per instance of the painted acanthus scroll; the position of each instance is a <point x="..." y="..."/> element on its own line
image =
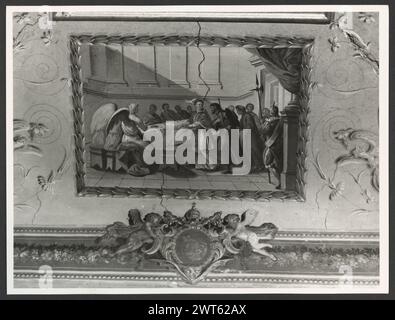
<point x="192" y="244"/>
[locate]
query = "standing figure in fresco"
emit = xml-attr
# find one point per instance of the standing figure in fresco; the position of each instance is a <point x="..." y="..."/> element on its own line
<point x="265" y="114"/>
<point x="133" y="144"/>
<point x="201" y="120"/>
<point x="183" y="114"/>
<point x="152" y="117"/>
<point x="247" y="122"/>
<point x="220" y="121"/>
<point x="168" y="114"/>
<point x="232" y="117"/>
<point x="273" y="153"/>
<point x="258" y="124"/>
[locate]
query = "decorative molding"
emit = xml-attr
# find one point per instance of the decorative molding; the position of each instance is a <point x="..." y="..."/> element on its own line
<point x="222" y="278"/>
<point x="196" y="250"/>
<point x="305" y="44"/>
<point x="111" y="95"/>
<point x="304" y="124"/>
<point x="234" y="17"/>
<point x="21" y="232"/>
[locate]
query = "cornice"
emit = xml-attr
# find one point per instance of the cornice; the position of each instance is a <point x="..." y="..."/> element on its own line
<point x="94" y="231"/>
<point x="246" y="279"/>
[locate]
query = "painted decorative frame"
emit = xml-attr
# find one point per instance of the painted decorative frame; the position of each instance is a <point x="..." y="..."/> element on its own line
<point x="305" y="44"/>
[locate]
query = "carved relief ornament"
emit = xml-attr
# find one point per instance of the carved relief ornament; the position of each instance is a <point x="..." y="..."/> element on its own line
<point x="192" y="244"/>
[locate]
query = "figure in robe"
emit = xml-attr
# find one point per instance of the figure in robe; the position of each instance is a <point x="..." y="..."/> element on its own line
<point x="152" y="117"/>
<point x="114" y="137"/>
<point x="191" y="111"/>
<point x="99" y="123"/>
<point x="132" y="142"/>
<point x="183" y="114"/>
<point x="221" y="121"/>
<point x="266" y="113"/>
<point x="247" y="122"/>
<point x="232" y="117"/>
<point x="201" y="120"/>
<point x="258" y="124"/>
<point x="273" y="153"/>
<point x="168" y="114"/>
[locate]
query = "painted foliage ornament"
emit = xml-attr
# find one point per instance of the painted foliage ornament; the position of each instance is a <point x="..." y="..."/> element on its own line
<point x="192" y="244"/>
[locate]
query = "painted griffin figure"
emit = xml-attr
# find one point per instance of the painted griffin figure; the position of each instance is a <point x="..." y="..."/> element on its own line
<point x="361" y="147"/>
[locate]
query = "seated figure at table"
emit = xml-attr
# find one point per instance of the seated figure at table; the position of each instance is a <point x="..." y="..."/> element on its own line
<point x="152" y="117"/>
<point x="191" y="111"/>
<point x="168" y="114"/>
<point x="219" y="118"/>
<point x="132" y="144"/>
<point x="183" y="114"/>
<point x="201" y="119"/>
<point x="133" y="127"/>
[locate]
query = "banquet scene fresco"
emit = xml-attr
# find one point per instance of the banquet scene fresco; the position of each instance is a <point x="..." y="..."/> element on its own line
<point x="130" y="90"/>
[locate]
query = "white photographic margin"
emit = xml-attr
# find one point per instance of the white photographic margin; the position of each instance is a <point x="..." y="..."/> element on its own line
<point x="383" y="153"/>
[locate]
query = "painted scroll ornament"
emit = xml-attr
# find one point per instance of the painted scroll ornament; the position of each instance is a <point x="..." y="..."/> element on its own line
<point x="192" y="244"/>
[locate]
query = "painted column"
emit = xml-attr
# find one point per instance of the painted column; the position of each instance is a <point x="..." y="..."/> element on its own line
<point x="107" y="67"/>
<point x="115" y="64"/>
<point x="290" y="116"/>
<point x="98" y="62"/>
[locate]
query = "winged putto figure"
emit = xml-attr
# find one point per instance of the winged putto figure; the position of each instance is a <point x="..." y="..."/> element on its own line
<point x="149" y="233"/>
<point x="239" y="228"/>
<point x="139" y="232"/>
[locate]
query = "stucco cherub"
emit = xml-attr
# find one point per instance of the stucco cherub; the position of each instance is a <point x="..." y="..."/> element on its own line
<point x="138" y="233"/>
<point x="240" y="228"/>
